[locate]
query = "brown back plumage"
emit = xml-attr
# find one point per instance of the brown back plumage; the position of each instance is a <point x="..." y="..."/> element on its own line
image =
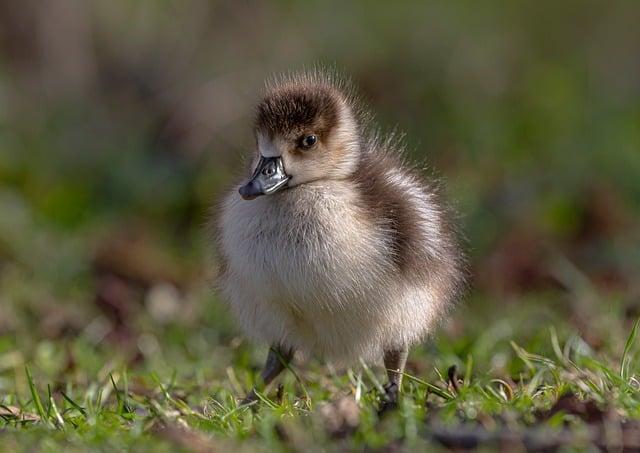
<point x="402" y="219"/>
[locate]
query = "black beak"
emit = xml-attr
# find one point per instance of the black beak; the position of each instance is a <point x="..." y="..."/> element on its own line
<point x="268" y="178"/>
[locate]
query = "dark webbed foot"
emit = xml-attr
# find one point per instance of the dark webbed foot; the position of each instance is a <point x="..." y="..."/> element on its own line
<point x="389" y="400"/>
<point x="277" y="360"/>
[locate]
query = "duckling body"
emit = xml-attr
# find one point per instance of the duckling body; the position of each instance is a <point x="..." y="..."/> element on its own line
<point x="314" y="269"/>
<point x="310" y="270"/>
<point x="353" y="258"/>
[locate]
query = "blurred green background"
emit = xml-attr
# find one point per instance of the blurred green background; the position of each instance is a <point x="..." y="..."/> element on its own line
<point x="121" y="121"/>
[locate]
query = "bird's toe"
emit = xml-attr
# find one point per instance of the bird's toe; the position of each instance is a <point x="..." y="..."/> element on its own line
<point x="389" y="400"/>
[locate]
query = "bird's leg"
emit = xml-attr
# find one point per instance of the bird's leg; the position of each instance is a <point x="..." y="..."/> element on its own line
<point x="277" y="361"/>
<point x="394" y="361"/>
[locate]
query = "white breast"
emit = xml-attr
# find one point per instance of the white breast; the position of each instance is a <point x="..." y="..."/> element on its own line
<point x="307" y="269"/>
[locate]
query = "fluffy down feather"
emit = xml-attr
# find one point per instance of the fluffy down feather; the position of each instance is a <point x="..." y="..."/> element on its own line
<point x="358" y="255"/>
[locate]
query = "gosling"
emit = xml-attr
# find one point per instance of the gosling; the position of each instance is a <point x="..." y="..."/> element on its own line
<point x="334" y="246"/>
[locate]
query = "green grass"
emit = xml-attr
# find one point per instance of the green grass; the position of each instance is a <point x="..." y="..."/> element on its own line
<point x="178" y="385"/>
<point x="110" y="339"/>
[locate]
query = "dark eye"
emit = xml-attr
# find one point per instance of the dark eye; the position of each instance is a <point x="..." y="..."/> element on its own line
<point x="308" y="141"/>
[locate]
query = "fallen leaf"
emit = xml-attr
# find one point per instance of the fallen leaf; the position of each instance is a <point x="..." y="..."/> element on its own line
<point x="15" y="413"/>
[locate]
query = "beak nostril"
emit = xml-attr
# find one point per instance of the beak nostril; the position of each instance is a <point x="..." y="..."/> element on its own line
<point x="268" y="171"/>
<point x="268" y="177"/>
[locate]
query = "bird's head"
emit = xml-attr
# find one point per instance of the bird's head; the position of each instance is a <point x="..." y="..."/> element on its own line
<point x="305" y="131"/>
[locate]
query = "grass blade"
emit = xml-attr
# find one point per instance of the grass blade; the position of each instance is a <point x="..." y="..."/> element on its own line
<point x="34" y="395"/>
<point x="74" y="404"/>
<point x="625" y="363"/>
<point x="432" y="388"/>
<point x="371" y="375"/>
<point x="287" y="365"/>
<point x="121" y="405"/>
<point x="468" y="370"/>
<point x="56" y="413"/>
